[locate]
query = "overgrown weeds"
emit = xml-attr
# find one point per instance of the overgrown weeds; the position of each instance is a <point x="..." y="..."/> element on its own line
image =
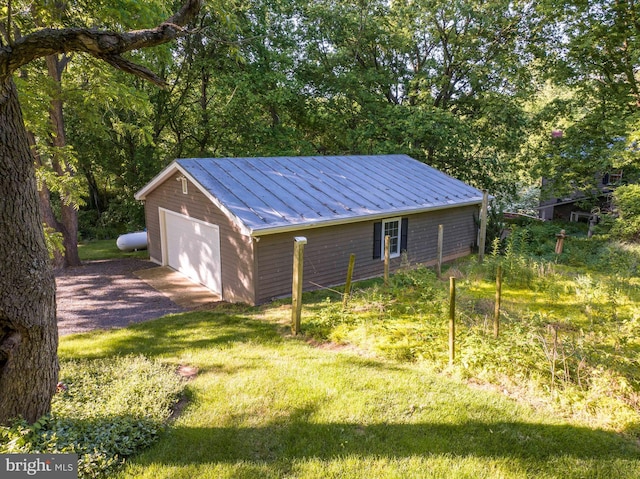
<point x="569" y="333"/>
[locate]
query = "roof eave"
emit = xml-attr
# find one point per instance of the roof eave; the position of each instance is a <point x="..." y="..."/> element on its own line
<point x="170" y="170"/>
<point x="358" y="219"/>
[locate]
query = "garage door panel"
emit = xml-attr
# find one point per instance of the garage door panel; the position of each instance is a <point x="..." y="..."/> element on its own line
<point x="193" y="248"/>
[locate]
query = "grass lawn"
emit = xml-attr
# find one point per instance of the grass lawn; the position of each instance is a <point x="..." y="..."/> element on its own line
<point x="266" y="405"/>
<point x="106" y="249"/>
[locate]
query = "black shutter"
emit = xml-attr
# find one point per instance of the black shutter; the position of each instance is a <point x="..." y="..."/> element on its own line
<point x="404" y="233"/>
<point x="377" y="240"/>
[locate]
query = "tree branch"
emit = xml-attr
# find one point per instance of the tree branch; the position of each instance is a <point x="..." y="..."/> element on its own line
<point x="102" y="44"/>
<point x="129" y="67"/>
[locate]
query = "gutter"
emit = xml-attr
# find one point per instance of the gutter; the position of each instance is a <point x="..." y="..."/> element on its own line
<point x="256" y="233"/>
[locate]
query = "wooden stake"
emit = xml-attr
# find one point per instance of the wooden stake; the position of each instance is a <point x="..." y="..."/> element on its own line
<point x="296" y="290"/>
<point x="483" y="226"/>
<point x="439" y="250"/>
<point x="496" y="314"/>
<point x="560" y="241"/>
<point x="387" y="254"/>
<point x="452" y="320"/>
<point x="347" y="285"/>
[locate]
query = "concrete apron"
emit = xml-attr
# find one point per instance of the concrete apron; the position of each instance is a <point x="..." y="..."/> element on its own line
<point x="177" y="287"/>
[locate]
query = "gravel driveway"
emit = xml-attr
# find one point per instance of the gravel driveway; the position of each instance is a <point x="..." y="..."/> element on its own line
<point x="106" y="294"/>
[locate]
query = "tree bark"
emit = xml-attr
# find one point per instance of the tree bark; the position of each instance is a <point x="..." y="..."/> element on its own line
<point x="28" y="329"/>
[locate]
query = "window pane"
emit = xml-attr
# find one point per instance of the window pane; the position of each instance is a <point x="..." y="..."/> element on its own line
<point x="392" y="229"/>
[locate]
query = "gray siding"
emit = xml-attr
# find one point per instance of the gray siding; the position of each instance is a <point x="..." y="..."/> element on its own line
<point x="236" y="250"/>
<point x="258" y="271"/>
<point x="327" y="252"/>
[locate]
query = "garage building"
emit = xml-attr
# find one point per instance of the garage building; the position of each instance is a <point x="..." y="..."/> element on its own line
<point x="230" y="223"/>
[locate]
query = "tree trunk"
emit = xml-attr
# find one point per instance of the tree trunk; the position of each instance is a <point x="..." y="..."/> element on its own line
<point x="68" y="224"/>
<point x="48" y="217"/>
<point x="28" y="329"/>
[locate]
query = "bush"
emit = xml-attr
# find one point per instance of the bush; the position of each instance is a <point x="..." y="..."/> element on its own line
<point x="627" y="201"/>
<point x="105" y="411"/>
<point x="123" y="215"/>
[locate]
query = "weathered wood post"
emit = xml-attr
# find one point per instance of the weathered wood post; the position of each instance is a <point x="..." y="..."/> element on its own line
<point x="560" y="241"/>
<point x="496" y="313"/>
<point x="387" y="254"/>
<point x="347" y="285"/>
<point x="483" y="225"/>
<point x="439" y="250"/>
<point x="452" y="320"/>
<point x="296" y="290"/>
<point x="593" y="221"/>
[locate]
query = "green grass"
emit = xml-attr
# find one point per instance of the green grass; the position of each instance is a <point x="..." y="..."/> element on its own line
<point x="266" y="405"/>
<point x="368" y="392"/>
<point x="106" y="249"/>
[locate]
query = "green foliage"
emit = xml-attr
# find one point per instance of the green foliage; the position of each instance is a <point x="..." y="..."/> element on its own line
<point x="105" y="411"/>
<point x="123" y="215"/>
<point x="269" y="405"/>
<point x="284" y="78"/>
<point x="627" y="201"/>
<point x="472" y="88"/>
<point x="418" y="278"/>
<point x="590" y="53"/>
<point x="513" y="255"/>
<point x="94" y="250"/>
<point x="54" y="240"/>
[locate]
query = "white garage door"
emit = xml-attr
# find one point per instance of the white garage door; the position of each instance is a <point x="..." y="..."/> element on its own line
<point x="192" y="247"/>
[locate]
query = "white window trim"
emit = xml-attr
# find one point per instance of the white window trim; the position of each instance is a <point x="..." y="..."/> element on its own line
<point x="185" y="188"/>
<point x="392" y="254"/>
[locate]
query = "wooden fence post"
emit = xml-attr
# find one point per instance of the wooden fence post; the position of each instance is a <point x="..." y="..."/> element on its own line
<point x="452" y="320"/>
<point x="439" y="250"/>
<point x="496" y="314"/>
<point x="483" y="225"/>
<point x="347" y="285"/>
<point x="296" y="290"/>
<point x="387" y="247"/>
<point x="560" y="241"/>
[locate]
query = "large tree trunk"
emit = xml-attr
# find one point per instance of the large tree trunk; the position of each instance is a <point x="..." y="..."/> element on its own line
<point x="28" y="329"/>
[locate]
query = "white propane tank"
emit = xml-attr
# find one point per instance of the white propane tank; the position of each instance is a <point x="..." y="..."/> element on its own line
<point x="132" y="241"/>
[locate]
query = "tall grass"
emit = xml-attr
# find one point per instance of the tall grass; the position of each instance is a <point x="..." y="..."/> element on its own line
<point x="569" y="335"/>
<point x="389" y="405"/>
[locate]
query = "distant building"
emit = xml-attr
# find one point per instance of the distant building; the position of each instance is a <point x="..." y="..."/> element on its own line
<point x="570" y="207"/>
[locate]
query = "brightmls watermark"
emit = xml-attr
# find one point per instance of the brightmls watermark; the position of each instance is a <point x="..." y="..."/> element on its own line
<point x="43" y="466"/>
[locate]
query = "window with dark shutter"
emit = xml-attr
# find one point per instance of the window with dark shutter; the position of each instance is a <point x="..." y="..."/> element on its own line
<point x="397" y="230"/>
<point x="377" y="240"/>
<point x="404" y="235"/>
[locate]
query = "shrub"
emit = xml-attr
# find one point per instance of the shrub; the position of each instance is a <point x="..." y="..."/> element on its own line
<point x="627" y="201"/>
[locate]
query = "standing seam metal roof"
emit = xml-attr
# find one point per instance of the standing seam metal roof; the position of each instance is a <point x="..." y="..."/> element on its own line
<point x="280" y="192"/>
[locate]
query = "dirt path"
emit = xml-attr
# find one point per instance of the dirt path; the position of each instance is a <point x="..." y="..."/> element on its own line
<point x="106" y="294"/>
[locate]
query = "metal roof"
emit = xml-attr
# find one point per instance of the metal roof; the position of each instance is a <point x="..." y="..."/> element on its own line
<point x="275" y="194"/>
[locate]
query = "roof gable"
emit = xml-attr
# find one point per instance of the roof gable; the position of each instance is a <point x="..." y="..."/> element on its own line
<point x="266" y="195"/>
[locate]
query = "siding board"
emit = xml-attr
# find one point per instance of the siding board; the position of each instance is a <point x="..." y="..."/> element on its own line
<point x="327" y="252"/>
<point x="236" y="249"/>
